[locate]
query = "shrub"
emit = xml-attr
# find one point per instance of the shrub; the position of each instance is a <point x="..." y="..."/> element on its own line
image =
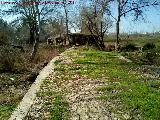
<point x="11" y="60"/>
<point x="151" y="57"/>
<point x="129" y="47"/>
<point x="148" y="46"/>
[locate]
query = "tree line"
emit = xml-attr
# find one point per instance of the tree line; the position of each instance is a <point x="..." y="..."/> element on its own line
<point x="92" y="16"/>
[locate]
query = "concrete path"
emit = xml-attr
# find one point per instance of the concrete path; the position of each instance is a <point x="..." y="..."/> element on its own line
<point x="24" y="106"/>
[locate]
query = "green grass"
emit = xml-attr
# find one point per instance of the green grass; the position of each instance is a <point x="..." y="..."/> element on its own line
<point x="60" y="110"/>
<point x="6" y="110"/>
<point x="55" y="105"/>
<point x="57" y="62"/>
<point x="44" y="94"/>
<point x="127" y="89"/>
<point x="138" y="94"/>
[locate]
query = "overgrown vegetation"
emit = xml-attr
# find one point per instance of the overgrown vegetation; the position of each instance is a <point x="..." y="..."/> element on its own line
<point x="129" y="47"/>
<point x="148" y="46"/>
<point x="140" y="48"/>
<point x="15" y="72"/>
<point x="146" y="57"/>
<point x="12" y="60"/>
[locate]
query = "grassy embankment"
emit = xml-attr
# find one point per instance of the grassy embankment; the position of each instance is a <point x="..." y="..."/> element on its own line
<point x="129" y="90"/>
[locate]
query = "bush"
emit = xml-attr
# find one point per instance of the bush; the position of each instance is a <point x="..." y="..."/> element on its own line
<point x="151" y="57"/>
<point x="11" y="60"/>
<point x="129" y="48"/>
<point x="148" y="46"/>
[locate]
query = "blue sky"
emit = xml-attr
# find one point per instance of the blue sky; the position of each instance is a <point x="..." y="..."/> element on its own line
<point x="151" y="24"/>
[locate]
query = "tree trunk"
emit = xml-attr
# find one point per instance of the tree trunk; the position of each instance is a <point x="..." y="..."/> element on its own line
<point x="37" y="32"/>
<point x="117" y="28"/>
<point x="31" y="39"/>
<point x="67" y="32"/>
<point x="117" y="36"/>
<point x="102" y="42"/>
<point x="35" y="48"/>
<point x="35" y="45"/>
<point x="99" y="42"/>
<point x="102" y="37"/>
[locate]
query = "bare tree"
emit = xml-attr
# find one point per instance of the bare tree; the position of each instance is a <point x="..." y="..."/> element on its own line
<point x="57" y="26"/>
<point x="66" y="19"/>
<point x="125" y="7"/>
<point x="66" y="5"/>
<point x="96" y="21"/>
<point x="34" y="14"/>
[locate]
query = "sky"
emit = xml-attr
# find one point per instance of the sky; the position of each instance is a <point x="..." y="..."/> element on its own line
<point x="150" y="24"/>
<point x="127" y="25"/>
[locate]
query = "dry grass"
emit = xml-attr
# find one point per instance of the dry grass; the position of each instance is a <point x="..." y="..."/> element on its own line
<point x="15" y="67"/>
